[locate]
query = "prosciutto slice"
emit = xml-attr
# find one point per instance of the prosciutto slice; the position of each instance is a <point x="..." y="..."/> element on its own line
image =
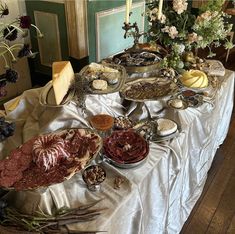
<point x="126" y="147"/>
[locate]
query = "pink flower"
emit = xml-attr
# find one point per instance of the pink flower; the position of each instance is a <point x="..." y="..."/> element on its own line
<point x="208" y="15"/>
<point x="172" y="31"/>
<point x="192" y="37"/>
<point x="180" y="6"/>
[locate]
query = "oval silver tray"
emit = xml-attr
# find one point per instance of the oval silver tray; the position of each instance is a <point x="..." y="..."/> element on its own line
<point x="155" y="137"/>
<point x="47" y="96"/>
<point x="173" y="88"/>
<point x="146" y="47"/>
<point x="111" y="88"/>
<point x="73" y="172"/>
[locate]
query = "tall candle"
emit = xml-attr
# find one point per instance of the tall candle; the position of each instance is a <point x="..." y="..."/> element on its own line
<point x="127" y="11"/>
<point x="160" y="9"/>
<point x="130" y="3"/>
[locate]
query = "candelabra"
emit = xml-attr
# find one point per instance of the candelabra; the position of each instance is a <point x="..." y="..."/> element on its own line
<point x="136" y="34"/>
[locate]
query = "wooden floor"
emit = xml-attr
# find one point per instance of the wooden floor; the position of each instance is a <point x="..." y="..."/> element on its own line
<point x="215" y="210"/>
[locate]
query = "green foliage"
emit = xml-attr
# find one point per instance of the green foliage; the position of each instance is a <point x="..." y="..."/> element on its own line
<point x="178" y="26"/>
<point x="212" y="5"/>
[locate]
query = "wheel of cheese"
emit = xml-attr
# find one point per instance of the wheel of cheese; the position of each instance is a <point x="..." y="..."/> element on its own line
<point x="194" y="79"/>
<point x="166" y="127"/>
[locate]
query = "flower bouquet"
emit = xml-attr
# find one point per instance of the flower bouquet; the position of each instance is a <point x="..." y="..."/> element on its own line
<point x="180" y="31"/>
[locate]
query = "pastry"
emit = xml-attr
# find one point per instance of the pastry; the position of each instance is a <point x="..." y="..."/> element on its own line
<point x="213" y="68"/>
<point x="95" y="67"/>
<point x="166" y="127"/>
<point x="102" y="122"/>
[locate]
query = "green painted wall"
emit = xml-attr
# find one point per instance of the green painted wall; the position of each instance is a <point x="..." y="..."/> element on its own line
<point x="56" y="8"/>
<point x="95" y="6"/>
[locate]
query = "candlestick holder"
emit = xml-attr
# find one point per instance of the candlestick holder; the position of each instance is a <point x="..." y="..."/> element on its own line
<point x="136" y="34"/>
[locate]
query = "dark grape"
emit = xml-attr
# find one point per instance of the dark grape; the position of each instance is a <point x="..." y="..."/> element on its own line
<point x="2" y="119"/>
<point x="6" y="129"/>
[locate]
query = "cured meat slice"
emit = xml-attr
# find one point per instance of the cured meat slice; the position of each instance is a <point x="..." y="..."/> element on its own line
<point x="8" y="181"/>
<point x="75" y="148"/>
<point x="126" y="147"/>
<point x="27" y="147"/>
<point x="48" y="150"/>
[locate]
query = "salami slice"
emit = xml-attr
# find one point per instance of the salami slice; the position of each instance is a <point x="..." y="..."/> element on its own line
<point x="27" y="147"/>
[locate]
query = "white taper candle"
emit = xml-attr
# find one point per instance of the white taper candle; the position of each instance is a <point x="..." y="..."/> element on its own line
<point x="160" y="9"/>
<point x="127" y="11"/>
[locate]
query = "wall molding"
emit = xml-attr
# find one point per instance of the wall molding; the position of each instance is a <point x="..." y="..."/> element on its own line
<point x="76" y="20"/>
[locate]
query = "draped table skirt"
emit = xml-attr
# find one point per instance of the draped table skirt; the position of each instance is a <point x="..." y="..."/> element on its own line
<point x="156" y="197"/>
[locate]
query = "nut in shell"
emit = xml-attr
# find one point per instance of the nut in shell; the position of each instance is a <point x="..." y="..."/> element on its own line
<point x="93" y="176"/>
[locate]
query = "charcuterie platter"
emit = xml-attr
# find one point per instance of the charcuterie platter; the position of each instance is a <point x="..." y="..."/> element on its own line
<point x="49" y="159"/>
<point x="103" y="78"/>
<point x="125" y="149"/>
<point x="146" y="89"/>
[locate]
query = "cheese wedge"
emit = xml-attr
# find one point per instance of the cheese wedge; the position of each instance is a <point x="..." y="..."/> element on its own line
<point x="62" y="78"/>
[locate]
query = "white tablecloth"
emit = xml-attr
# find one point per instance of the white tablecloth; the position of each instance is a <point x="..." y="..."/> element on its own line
<point x="156" y="197"/>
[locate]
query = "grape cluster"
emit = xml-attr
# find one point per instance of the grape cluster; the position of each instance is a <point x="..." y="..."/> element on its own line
<point x="6" y="129"/>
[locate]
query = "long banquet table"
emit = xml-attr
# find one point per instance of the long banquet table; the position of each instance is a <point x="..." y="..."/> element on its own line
<point x="156" y="197"/>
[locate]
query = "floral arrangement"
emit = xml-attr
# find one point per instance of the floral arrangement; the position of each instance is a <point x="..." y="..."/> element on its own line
<point x="9" y="50"/>
<point x="179" y="31"/>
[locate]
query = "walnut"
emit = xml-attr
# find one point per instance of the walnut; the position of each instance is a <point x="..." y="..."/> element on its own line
<point x="117" y="182"/>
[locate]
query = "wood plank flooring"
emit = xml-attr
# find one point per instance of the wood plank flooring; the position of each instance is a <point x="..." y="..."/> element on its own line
<point x="215" y="210"/>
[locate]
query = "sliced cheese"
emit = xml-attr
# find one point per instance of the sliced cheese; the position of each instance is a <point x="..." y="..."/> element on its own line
<point x="62" y="78"/>
<point x="101" y="68"/>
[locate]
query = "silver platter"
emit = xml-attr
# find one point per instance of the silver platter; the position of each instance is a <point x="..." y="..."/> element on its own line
<point x="123" y="165"/>
<point x="47" y="96"/>
<point x="111" y="88"/>
<point x="154" y="137"/>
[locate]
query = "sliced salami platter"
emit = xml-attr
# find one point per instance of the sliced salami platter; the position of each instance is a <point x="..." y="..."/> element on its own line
<point x="125" y="149"/>
<point x="49" y="159"/>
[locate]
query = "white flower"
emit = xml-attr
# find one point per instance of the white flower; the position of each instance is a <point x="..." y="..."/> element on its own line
<point x="206" y="16"/>
<point x="178" y="48"/>
<point x="192" y="37"/>
<point x="163" y="19"/>
<point x="172" y="31"/>
<point x="153" y="14"/>
<point x="180" y="6"/>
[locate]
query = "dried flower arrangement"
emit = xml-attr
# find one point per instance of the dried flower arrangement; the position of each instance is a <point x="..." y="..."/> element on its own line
<point x="9" y="50"/>
<point x="42" y="223"/>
